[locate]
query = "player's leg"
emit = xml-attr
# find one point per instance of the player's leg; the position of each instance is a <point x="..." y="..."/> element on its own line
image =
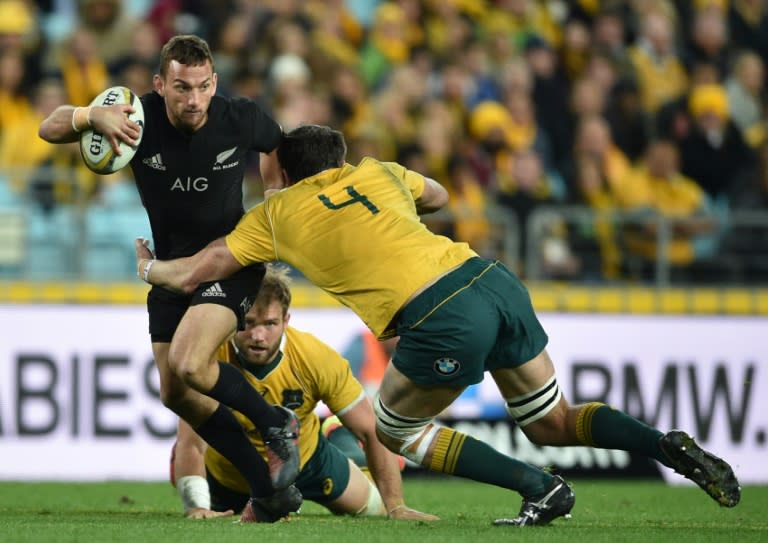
<point x="217" y="309"/>
<point x="446" y="335"/>
<point x="214" y="423"/>
<point x="359" y="498"/>
<point x="334" y="481"/>
<point x="405" y="413"/>
<point x="534" y="400"/>
<point x="343" y="439"/>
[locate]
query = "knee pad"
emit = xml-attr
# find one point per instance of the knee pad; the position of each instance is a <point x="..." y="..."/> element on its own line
<point x="407" y="430"/>
<point x="536" y="404"/>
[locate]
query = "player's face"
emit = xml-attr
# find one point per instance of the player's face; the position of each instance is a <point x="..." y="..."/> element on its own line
<point x="264" y="329"/>
<point x="187" y="91"/>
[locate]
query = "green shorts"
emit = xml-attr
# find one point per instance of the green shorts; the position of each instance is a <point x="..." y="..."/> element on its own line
<point x="322" y="479"/>
<point x="477" y="318"/>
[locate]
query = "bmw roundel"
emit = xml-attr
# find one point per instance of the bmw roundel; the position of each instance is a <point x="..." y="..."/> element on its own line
<point x="446" y="366"/>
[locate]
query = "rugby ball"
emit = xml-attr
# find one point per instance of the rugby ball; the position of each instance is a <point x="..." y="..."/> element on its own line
<point x="95" y="149"/>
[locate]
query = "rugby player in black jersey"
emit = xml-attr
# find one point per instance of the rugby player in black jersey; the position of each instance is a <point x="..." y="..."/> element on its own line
<point x="189" y="169"/>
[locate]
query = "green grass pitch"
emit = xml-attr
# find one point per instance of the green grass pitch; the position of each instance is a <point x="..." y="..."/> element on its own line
<point x="648" y="512"/>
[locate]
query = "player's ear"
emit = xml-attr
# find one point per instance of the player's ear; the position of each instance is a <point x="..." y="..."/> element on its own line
<point x="157" y="84"/>
<point x="287" y="317"/>
<point x="215" y="82"/>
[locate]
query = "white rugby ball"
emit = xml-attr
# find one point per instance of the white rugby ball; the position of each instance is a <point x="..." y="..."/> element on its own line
<point x="95" y="149"/>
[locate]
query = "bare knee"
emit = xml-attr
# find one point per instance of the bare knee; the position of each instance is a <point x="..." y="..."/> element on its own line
<point x="172" y="393"/>
<point x="190" y="367"/>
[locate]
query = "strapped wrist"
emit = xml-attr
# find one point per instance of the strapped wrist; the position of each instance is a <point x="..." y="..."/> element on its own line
<point x="194" y="493"/>
<point x="148" y="267"/>
<point x="145" y="264"/>
<point x="74" y="120"/>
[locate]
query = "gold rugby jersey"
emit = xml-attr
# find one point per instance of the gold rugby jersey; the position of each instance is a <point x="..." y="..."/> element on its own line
<point x="308" y="371"/>
<point x="354" y="232"/>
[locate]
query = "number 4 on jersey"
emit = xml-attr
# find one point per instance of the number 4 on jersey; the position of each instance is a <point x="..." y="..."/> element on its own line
<point x="354" y="198"/>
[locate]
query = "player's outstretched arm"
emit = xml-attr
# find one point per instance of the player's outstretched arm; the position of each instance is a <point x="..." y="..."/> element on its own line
<point x="215" y="261"/>
<point x="383" y="464"/>
<point x="189" y="472"/>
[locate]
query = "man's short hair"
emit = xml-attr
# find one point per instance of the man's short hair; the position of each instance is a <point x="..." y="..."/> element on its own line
<point x="310" y="149"/>
<point x="275" y="287"/>
<point x="185" y="49"/>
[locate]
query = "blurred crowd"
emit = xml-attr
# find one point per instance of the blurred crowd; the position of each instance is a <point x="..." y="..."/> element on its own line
<point x="633" y="110"/>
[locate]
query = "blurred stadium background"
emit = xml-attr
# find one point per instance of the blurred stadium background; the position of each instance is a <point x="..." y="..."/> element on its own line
<point x="614" y="154"/>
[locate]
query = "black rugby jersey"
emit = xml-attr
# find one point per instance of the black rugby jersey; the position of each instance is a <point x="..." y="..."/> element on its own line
<point x="192" y="185"/>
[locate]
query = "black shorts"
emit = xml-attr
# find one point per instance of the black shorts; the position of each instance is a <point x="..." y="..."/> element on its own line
<point x="236" y="292"/>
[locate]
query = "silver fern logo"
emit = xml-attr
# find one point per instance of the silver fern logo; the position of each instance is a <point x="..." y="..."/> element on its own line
<point x="222" y="157"/>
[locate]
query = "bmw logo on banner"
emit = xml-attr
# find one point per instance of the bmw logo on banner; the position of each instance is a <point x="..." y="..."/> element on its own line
<point x="446" y="366"/>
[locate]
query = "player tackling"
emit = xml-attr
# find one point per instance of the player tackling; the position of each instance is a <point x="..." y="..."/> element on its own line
<point x="355" y="232"/>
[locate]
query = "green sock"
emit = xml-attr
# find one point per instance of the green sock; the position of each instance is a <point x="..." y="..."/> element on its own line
<point x="599" y="425"/>
<point x="348" y="444"/>
<point x="459" y="454"/>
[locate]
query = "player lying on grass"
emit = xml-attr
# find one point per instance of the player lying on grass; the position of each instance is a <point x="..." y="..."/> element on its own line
<point x="354" y="231"/>
<point x="296" y="370"/>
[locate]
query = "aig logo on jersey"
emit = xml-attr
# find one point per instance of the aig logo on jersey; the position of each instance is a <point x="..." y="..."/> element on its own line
<point x="446" y="366"/>
<point x="222" y="157"/>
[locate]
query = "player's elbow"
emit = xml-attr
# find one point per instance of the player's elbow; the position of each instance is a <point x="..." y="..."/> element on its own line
<point x="188" y="287"/>
<point x="44" y="133"/>
<point x="434" y="197"/>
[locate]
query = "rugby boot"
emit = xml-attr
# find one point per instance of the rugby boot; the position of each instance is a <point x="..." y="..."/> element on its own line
<point x="711" y="473"/>
<point x="272" y="508"/>
<point x="281" y="444"/>
<point x="556" y="501"/>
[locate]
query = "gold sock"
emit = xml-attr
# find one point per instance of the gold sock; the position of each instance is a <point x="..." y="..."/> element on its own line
<point x="584" y="423"/>
<point x="447" y="448"/>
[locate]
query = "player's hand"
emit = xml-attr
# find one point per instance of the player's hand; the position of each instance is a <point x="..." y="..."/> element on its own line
<point x="142" y="249"/>
<point x="114" y="124"/>
<point x="200" y="513"/>
<point x="403" y="512"/>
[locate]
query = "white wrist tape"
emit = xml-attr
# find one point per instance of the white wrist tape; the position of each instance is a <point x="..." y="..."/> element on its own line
<point x="145" y="276"/>
<point x="194" y="493"/>
<point x="74" y="124"/>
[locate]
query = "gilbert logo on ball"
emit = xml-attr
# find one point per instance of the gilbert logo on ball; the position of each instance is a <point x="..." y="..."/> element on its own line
<point x="95" y="149"/>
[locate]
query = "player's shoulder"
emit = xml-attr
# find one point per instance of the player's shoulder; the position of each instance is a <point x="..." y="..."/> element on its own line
<point x="311" y="349"/>
<point x="303" y="338"/>
<point x="238" y="108"/>
<point x="245" y="116"/>
<point x="369" y="164"/>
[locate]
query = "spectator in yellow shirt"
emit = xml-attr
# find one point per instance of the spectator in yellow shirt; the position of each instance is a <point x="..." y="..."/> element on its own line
<point x="655" y="190"/>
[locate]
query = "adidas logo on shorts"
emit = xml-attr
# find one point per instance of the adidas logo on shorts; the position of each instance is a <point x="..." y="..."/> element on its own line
<point x="214" y="290"/>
